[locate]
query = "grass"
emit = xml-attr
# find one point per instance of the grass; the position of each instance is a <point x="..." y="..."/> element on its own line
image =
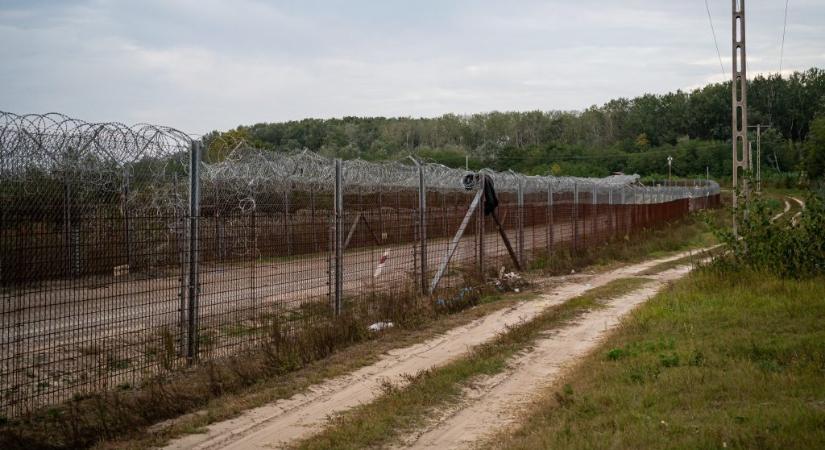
<point x="692" y="259"/>
<point x="401" y="409"/>
<point x="732" y="360"/>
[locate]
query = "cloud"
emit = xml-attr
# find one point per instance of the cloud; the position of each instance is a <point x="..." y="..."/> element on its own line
<point x="210" y="64"/>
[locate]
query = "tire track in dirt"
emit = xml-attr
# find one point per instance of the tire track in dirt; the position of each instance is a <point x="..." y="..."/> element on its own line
<point x="301" y="415"/>
<point x="785" y="211"/>
<point x="795" y="218"/>
<point x="495" y="403"/>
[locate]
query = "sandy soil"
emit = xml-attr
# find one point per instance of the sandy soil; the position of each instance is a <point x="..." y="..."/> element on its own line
<point x="496" y="403"/>
<point x="284" y="421"/>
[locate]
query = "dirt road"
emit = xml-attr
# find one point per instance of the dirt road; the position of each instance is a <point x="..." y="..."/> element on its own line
<point x="277" y="424"/>
<point x="496" y="403"/>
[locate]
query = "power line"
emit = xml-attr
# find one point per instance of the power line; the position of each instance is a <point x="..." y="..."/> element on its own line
<point x="781" y="57"/>
<point x="782" y="45"/>
<point x="715" y="42"/>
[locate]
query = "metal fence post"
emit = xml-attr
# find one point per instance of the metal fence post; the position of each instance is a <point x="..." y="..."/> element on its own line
<point x="549" y="219"/>
<point x="287" y="228"/>
<point x="594" y="200"/>
<point x="422" y="219"/>
<point x="624" y="210"/>
<point x="194" y="215"/>
<point x="612" y="210"/>
<point x="481" y="227"/>
<point x="520" y="199"/>
<point x="339" y="235"/>
<point x="575" y="215"/>
<point x="126" y="225"/>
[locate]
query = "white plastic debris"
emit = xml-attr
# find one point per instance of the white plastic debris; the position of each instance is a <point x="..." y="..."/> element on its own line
<point x="380" y="267"/>
<point x="509" y="281"/>
<point x="379" y="326"/>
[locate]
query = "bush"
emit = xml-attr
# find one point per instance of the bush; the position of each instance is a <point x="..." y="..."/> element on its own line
<point x="790" y="250"/>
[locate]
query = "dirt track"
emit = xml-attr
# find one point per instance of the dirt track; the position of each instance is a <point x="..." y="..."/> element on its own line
<point x="297" y="417"/>
<point x="496" y="403"/>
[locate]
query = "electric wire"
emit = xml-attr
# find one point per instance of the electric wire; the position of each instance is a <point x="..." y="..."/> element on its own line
<point x="715" y="41"/>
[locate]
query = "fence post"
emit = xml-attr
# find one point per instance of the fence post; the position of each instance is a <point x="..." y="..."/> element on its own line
<point x="594" y="200"/>
<point x="549" y="220"/>
<point x="287" y="228"/>
<point x="520" y="199"/>
<point x="575" y="216"/>
<point x="194" y="215"/>
<point x="339" y="235"/>
<point x="126" y="224"/>
<point x="422" y="219"/>
<point x="612" y="210"/>
<point x="624" y="211"/>
<point x="481" y="231"/>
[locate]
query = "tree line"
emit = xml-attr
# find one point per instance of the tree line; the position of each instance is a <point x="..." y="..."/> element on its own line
<point x="623" y="135"/>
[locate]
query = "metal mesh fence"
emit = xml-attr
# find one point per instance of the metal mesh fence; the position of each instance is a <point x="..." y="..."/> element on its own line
<point x="130" y="251"/>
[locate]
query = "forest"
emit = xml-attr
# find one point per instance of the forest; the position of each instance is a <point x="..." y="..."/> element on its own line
<point x="631" y="135"/>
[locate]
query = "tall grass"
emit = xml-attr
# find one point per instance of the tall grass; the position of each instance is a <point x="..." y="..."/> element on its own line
<point x="718" y="361"/>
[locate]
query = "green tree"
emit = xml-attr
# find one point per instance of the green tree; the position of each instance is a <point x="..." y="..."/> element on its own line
<point x="815" y="149"/>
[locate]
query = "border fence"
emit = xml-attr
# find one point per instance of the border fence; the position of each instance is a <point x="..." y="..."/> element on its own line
<point x="129" y="251"/>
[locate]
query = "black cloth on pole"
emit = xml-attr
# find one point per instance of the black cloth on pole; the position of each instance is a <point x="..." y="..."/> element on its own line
<point x="490" y="199"/>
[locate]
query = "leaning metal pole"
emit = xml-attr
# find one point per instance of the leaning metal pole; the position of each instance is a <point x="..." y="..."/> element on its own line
<point x="739" y="103"/>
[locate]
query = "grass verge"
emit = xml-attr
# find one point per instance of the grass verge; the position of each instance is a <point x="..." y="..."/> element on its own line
<point x="732" y="360"/>
<point x="400" y="409"/>
<point x="693" y="259"/>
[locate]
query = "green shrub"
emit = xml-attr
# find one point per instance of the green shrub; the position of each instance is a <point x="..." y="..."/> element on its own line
<point x="788" y="249"/>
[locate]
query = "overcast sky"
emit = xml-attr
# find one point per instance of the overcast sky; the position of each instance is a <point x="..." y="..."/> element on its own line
<point x="200" y="65"/>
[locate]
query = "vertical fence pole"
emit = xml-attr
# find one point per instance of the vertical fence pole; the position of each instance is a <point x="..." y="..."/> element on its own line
<point x="422" y="219"/>
<point x="575" y="216"/>
<point x="549" y="220"/>
<point x="481" y="228"/>
<point x="313" y="224"/>
<point x="612" y="210"/>
<point x="520" y="200"/>
<point x="594" y="200"/>
<point x="194" y="215"/>
<point x="127" y="235"/>
<point x="339" y="235"/>
<point x="287" y="228"/>
<point x="624" y="208"/>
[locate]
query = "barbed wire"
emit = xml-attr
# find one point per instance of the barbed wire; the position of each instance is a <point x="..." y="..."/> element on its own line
<point x="146" y="168"/>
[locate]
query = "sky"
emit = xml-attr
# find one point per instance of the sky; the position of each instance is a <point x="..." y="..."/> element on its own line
<point x="200" y="65"/>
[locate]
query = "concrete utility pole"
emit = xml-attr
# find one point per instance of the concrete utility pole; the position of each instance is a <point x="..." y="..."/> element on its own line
<point x="669" y="165"/>
<point x="739" y="99"/>
<point x="756" y="163"/>
<point x="759" y="158"/>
